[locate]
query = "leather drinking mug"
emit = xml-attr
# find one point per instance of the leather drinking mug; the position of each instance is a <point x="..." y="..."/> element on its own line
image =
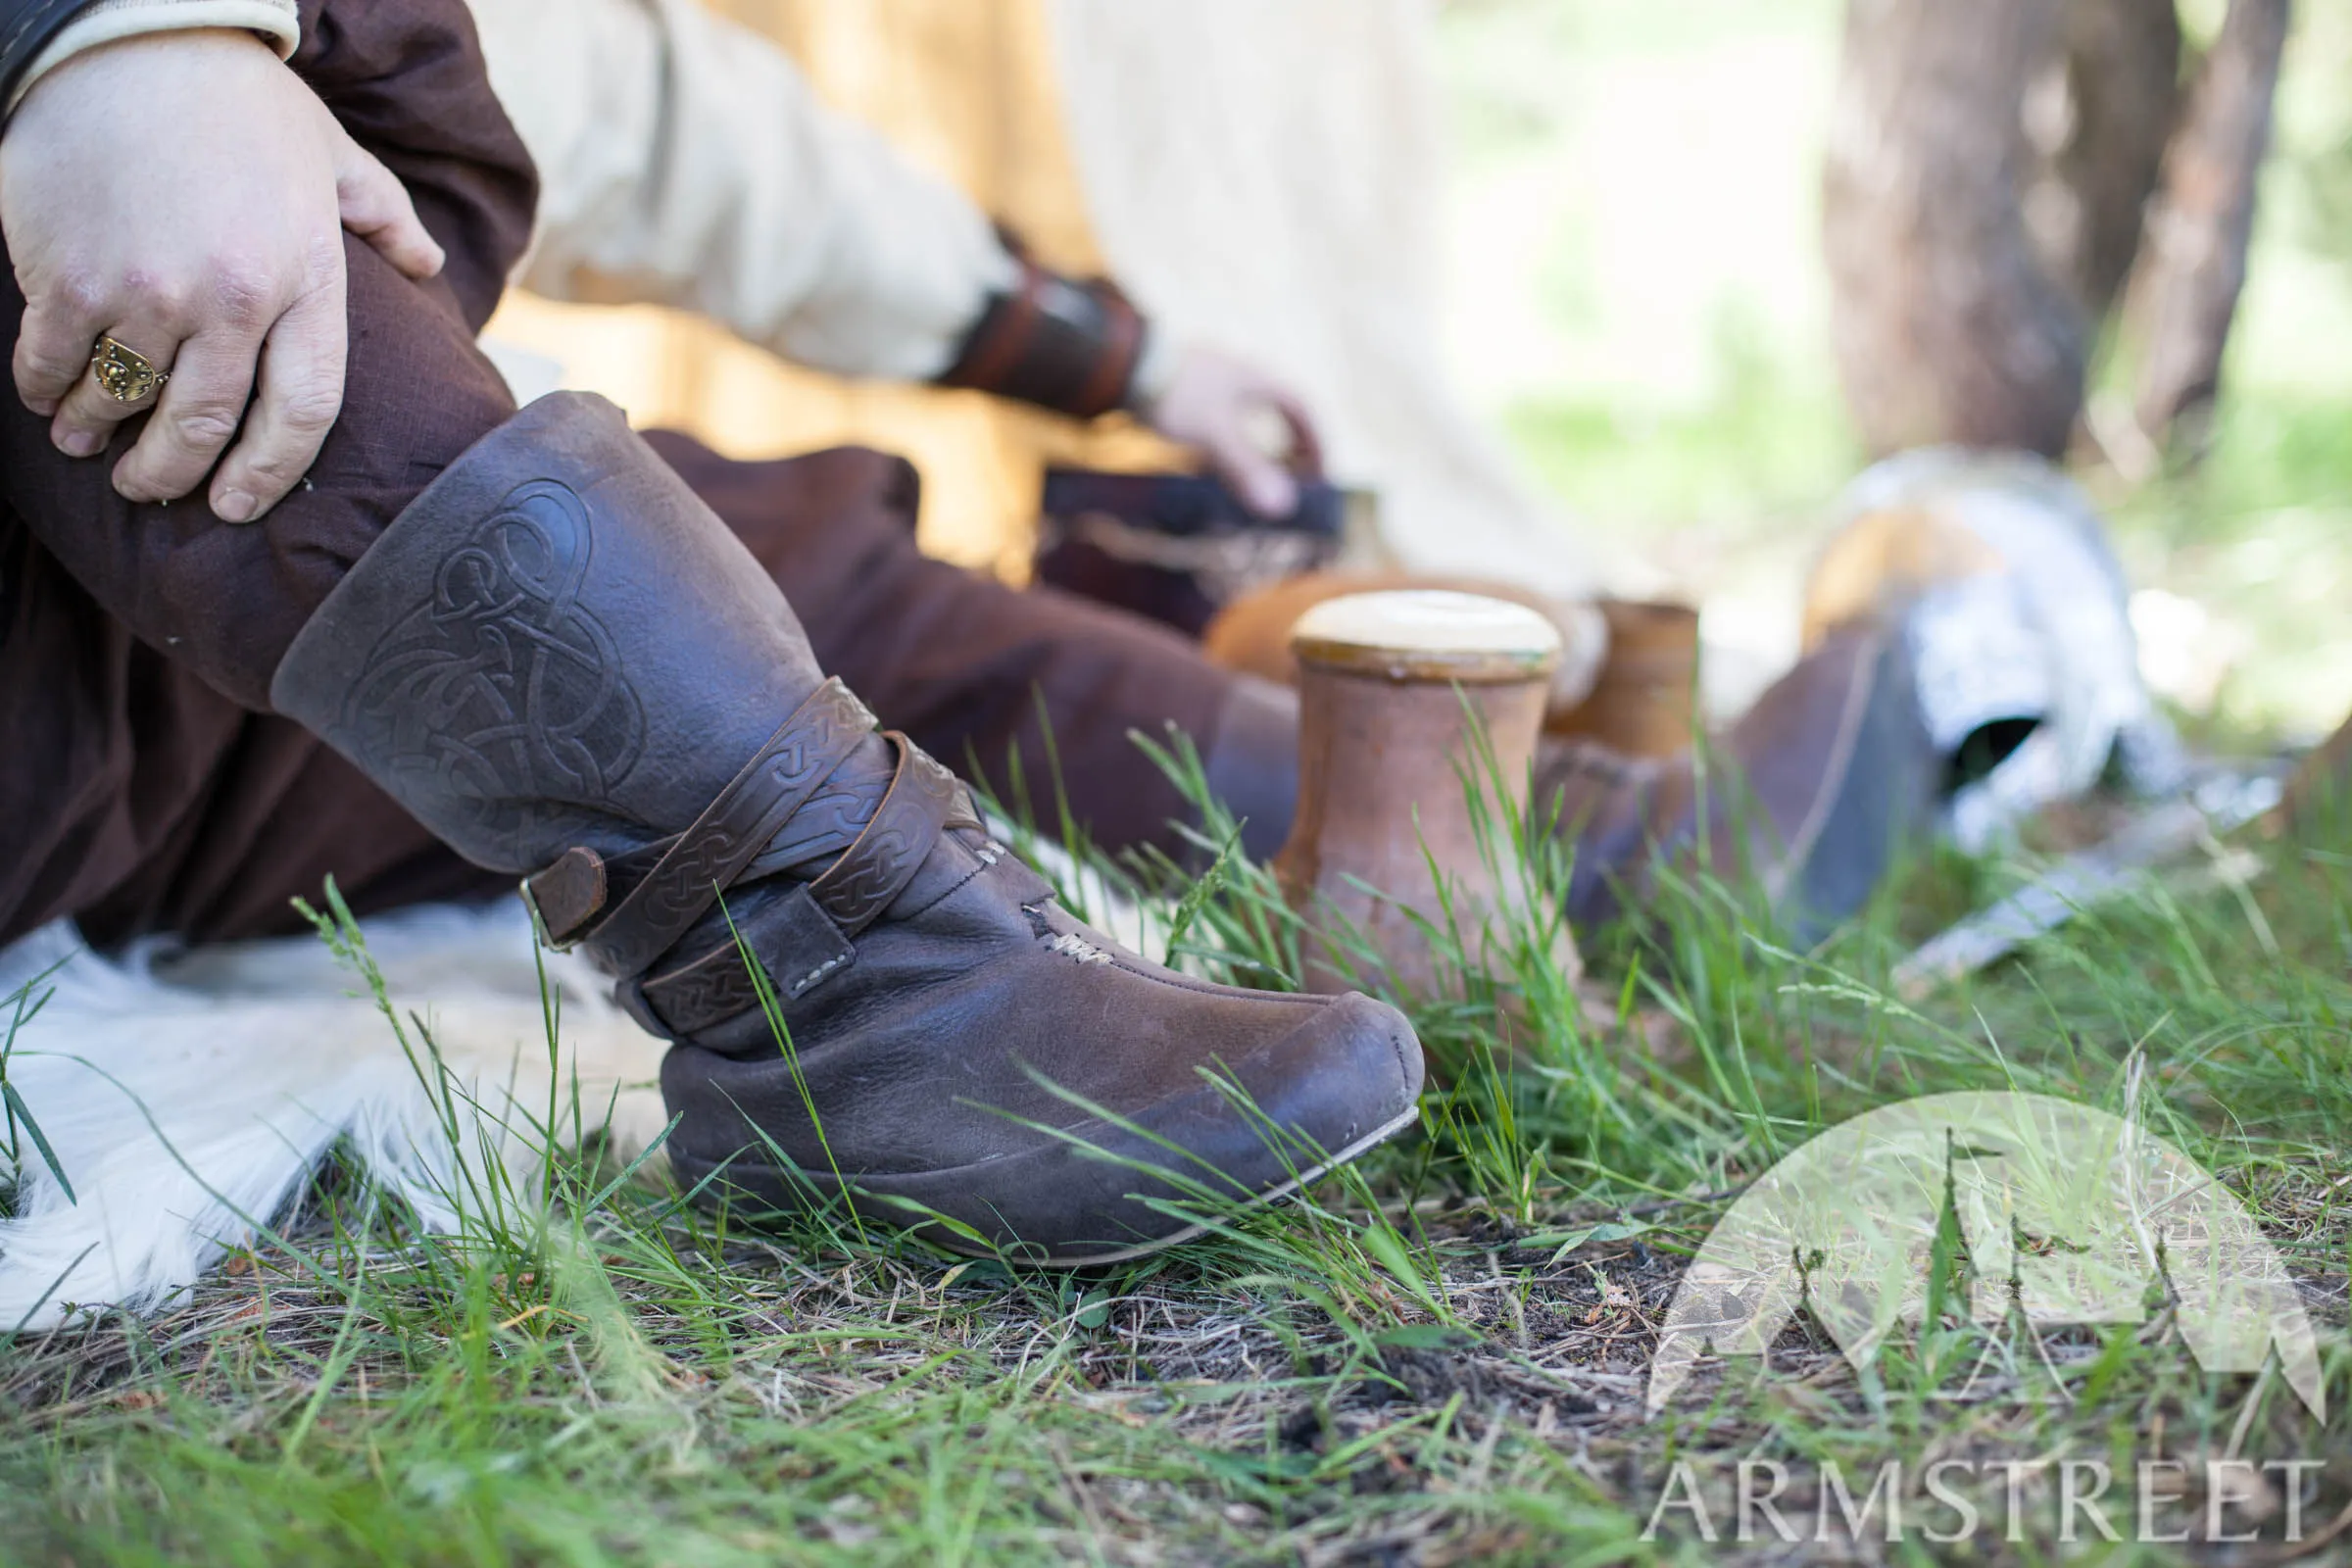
<point x="1401" y="811"/>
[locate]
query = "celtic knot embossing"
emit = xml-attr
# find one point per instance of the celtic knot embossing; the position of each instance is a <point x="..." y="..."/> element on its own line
<point x="796" y="760"/>
<point x="830" y="822"/>
<point x="707" y="993"/>
<point x="878" y="866"/>
<point x="504" y="691"/>
<point x="715" y="850"/>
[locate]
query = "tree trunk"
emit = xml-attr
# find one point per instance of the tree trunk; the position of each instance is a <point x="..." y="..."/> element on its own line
<point x="2100" y="116"/>
<point x="1948" y="326"/>
<point x="2185" y="290"/>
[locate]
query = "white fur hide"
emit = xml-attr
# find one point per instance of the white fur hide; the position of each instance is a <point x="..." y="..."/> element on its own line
<point x="188" y="1096"/>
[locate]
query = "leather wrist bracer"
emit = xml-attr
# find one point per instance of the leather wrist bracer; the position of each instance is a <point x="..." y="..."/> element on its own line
<point x="1068" y="345"/>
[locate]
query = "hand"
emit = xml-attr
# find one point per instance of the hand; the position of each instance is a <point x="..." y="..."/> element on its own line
<point x="185" y="193"/>
<point x="1226" y="409"/>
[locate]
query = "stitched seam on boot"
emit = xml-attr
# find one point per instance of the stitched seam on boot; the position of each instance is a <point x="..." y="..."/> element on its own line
<point x="987" y="862"/>
<point x="1144" y="969"/>
<point x="1071" y="945"/>
<point x="800" y="987"/>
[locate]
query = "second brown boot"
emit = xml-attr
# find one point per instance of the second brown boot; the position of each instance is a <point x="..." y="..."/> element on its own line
<point x="1815" y="791"/>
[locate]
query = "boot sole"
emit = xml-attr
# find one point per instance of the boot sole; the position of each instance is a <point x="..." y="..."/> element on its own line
<point x="692" y="1172"/>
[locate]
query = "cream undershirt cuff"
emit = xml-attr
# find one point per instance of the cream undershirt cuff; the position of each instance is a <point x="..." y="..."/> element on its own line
<point x="1155" y="371"/>
<point x="107" y="20"/>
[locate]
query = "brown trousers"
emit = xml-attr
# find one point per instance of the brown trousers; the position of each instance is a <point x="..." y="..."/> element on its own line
<point x="145" y="786"/>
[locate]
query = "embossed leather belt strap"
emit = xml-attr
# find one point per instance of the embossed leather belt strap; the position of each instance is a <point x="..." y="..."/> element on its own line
<point x="805" y="939"/>
<point x="857" y="888"/>
<point x="570" y="893"/>
<point x="732" y="831"/>
<point x="806" y="947"/>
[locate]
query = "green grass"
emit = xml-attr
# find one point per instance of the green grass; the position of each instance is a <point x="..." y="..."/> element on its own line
<point x="1438" y="1356"/>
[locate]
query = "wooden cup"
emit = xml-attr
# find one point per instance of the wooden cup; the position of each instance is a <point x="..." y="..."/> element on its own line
<point x="1394" y="691"/>
<point x="1640" y="703"/>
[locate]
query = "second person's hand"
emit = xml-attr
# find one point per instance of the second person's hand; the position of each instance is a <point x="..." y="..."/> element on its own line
<point x="1221" y="407"/>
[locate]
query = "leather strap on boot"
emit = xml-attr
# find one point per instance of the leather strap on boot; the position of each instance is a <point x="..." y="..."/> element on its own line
<point x="691" y="867"/>
<point x="807" y="938"/>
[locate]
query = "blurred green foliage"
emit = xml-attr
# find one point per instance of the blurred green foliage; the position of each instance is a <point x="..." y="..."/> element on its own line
<point x="1663" y="367"/>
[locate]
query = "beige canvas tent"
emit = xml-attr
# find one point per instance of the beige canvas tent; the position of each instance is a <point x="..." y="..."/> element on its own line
<point x="1264" y="175"/>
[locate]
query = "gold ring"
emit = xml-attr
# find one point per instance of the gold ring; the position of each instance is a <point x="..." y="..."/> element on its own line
<point x="123" y="373"/>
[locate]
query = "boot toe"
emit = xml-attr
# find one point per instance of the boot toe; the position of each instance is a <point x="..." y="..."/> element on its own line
<point x="1134" y="1178"/>
<point x="1350" y="1070"/>
<point x="1247" y="1131"/>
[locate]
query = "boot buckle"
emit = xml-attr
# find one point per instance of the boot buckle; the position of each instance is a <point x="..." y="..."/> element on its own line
<point x="566" y="895"/>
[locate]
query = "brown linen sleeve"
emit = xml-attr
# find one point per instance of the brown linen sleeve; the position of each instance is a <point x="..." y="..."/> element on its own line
<point x="225" y="601"/>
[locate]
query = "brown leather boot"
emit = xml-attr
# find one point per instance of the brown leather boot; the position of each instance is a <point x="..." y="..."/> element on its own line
<point x="1815" y="790"/>
<point x="562" y="662"/>
<point x="1251" y="762"/>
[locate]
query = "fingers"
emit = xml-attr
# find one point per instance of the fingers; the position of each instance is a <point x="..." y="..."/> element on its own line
<point x="300" y="395"/>
<point x="1265" y="485"/>
<point x="193" y="423"/>
<point x="1254" y="431"/>
<point x="53" y="351"/>
<point x="87" y="415"/>
<point x="213" y="383"/>
<point x="1242" y="447"/>
<point x="1306" y="442"/>
<point x="375" y="206"/>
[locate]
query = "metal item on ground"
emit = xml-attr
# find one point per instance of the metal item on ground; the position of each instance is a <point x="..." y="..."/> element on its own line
<point x="1998" y="571"/>
<point x="2135" y="856"/>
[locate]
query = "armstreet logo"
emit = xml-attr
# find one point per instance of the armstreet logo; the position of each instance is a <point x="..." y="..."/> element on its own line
<point x="2067" y="1215"/>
